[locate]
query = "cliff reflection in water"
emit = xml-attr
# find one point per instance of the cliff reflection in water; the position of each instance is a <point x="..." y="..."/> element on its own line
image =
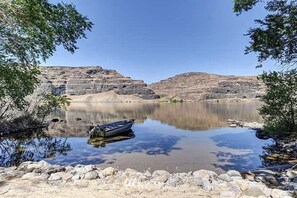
<point x="76" y="121"/>
<point x="30" y="146"/>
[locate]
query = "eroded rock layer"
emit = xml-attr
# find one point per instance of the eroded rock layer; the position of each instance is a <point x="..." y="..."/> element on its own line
<point x="91" y="80"/>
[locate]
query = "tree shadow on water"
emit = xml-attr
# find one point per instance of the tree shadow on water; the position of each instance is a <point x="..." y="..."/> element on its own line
<point x="240" y="151"/>
<point x="30" y="146"/>
<point x="241" y="162"/>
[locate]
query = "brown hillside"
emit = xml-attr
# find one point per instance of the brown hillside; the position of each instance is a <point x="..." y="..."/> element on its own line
<point x="199" y="86"/>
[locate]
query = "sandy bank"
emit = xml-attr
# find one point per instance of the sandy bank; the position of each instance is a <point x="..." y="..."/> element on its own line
<point x="106" y="97"/>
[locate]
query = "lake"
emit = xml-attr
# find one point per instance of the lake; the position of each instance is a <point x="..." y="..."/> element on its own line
<point x="177" y="137"/>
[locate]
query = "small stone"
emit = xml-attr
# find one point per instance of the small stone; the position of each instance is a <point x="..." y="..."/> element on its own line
<point x="233" y="125"/>
<point x="76" y="177"/>
<point x="250" y="177"/>
<point x="91" y="175"/>
<point x="54" y="169"/>
<point x="292" y="186"/>
<point x="205" y="174"/>
<point x="40" y="178"/>
<point x="234" y="173"/>
<point x="68" y="169"/>
<point x="201" y="173"/>
<point x="161" y="176"/>
<point x="190" y="173"/>
<point x="23" y="166"/>
<point x="243" y="184"/>
<point x="29" y="175"/>
<point x="174" y="180"/>
<point x="89" y="168"/>
<point x="272" y="180"/>
<point x="37" y="170"/>
<point x="14" y="174"/>
<point x="55" y="177"/>
<point x="67" y="176"/>
<point x="206" y="185"/>
<point x="31" y="167"/>
<point x="260" y="178"/>
<point x="233" y="186"/>
<point x="130" y="170"/>
<point x="195" y="181"/>
<point x="109" y="171"/>
<point x="228" y="194"/>
<point x="254" y="192"/>
<point x="225" y="177"/>
<point x="276" y="193"/>
<point x="291" y="174"/>
<point x="147" y="174"/>
<point x="100" y="174"/>
<point x="43" y="163"/>
<point x="262" y="187"/>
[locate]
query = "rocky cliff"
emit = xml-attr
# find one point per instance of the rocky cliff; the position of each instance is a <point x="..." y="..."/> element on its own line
<point x="200" y="86"/>
<point x="91" y="80"/>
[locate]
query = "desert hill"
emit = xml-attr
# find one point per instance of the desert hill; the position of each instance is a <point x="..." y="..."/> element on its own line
<point x="203" y="86"/>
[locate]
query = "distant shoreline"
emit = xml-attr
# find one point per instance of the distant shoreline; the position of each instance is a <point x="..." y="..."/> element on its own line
<point x="111" y="97"/>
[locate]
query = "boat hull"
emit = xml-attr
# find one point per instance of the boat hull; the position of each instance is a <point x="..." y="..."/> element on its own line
<point x="119" y="130"/>
<point x="111" y="129"/>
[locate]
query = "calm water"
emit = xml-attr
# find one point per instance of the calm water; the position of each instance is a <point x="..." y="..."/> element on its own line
<point x="174" y="137"/>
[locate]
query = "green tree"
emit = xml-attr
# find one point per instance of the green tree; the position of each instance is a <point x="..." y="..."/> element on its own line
<point x="30" y="31"/>
<point x="280" y="108"/>
<point x="275" y="38"/>
<point x="276" y="35"/>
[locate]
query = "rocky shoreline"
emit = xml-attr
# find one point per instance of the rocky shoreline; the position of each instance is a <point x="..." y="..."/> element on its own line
<point x="41" y="178"/>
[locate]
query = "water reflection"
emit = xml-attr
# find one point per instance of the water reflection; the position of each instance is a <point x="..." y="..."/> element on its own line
<point x="30" y="146"/>
<point x="161" y="138"/>
<point x="102" y="142"/>
<point x="188" y="116"/>
<point x="90" y="114"/>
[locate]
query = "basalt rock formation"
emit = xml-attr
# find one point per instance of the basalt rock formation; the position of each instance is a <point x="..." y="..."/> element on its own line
<point x="203" y="86"/>
<point x="91" y="80"/>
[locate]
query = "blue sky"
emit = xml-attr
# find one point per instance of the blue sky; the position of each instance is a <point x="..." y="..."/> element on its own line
<point x="152" y="40"/>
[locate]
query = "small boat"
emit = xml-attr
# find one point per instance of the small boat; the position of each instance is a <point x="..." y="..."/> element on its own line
<point x="111" y="129"/>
